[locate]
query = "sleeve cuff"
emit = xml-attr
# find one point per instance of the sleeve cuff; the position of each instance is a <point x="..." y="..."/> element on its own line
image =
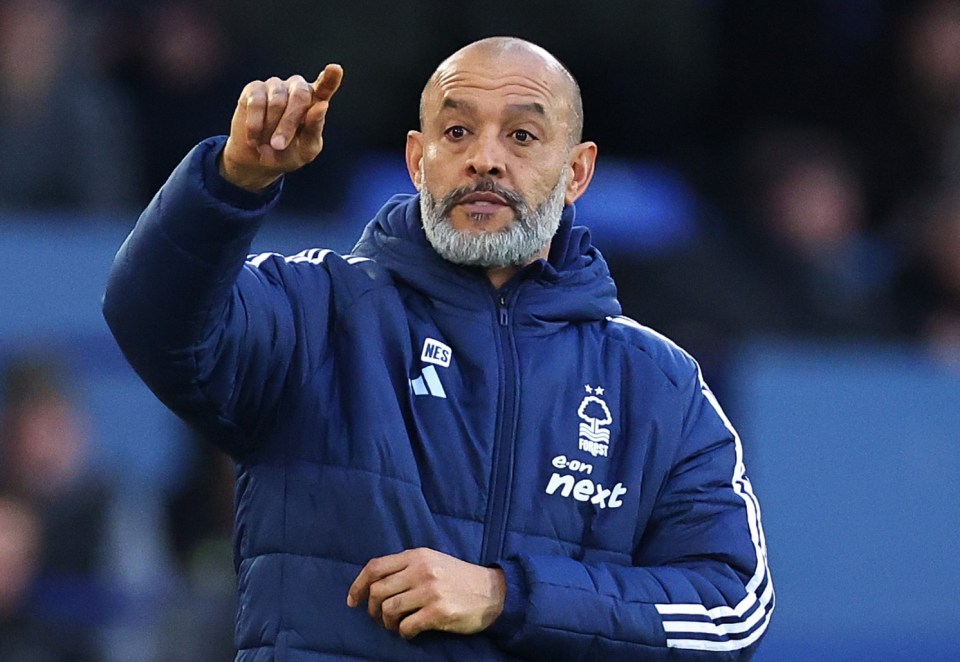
<point x="511" y="619"/>
<point x="226" y="192"/>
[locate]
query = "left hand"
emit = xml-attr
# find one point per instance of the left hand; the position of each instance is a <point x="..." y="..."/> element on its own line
<point x="423" y="589"/>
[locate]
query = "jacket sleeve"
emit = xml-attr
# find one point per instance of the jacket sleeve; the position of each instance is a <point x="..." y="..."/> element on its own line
<point x="699" y="588"/>
<point x="210" y="334"/>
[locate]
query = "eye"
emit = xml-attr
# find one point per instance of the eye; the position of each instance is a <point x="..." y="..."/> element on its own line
<point x="523" y="136"/>
<point x="455" y="132"/>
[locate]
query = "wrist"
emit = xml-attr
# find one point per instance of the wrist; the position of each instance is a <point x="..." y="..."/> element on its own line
<point x="253" y="182"/>
<point x="515" y="595"/>
<point x="497" y="593"/>
<point x="226" y="191"/>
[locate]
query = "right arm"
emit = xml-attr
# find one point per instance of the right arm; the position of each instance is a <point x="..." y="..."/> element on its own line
<point x="209" y="334"/>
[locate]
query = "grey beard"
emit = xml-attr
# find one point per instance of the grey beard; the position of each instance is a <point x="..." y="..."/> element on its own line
<point x="515" y="245"/>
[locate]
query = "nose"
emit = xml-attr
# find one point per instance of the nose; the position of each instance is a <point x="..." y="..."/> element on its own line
<point x="486" y="156"/>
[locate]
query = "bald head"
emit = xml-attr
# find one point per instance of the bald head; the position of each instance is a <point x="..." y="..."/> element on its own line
<point x="494" y="50"/>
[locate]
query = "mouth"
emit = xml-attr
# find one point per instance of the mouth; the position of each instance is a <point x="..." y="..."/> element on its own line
<point x="482" y="202"/>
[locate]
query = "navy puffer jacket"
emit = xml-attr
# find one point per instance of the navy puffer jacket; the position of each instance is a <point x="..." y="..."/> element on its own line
<point x="388" y="400"/>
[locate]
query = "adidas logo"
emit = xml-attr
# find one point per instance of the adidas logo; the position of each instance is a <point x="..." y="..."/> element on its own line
<point x="428" y="383"/>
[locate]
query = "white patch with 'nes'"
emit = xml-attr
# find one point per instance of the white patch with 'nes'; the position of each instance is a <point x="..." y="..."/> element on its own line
<point x="436" y="352"/>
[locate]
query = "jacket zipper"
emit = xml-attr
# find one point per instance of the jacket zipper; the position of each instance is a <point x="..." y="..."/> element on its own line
<point x="501" y="480"/>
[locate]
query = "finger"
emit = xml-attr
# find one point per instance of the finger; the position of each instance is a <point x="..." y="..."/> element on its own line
<point x="384" y="589"/>
<point x="299" y="98"/>
<point x="398" y="607"/>
<point x="276" y="105"/>
<point x="375" y="570"/>
<point x="253" y="102"/>
<point x="328" y="82"/>
<point x="418" y="621"/>
<point x="311" y="130"/>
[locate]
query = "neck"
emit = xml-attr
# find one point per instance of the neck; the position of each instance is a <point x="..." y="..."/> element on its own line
<point x="498" y="276"/>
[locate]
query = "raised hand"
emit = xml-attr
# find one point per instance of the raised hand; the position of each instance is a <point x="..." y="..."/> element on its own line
<point x="423" y="589"/>
<point x="277" y="127"/>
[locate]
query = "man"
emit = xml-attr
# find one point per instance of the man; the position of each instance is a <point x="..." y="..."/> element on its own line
<point x="452" y="426"/>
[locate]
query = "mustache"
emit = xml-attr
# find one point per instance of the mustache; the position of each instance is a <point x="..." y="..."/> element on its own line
<point x="514" y="200"/>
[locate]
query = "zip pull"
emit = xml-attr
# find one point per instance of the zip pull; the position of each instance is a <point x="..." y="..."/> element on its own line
<point x="502" y="310"/>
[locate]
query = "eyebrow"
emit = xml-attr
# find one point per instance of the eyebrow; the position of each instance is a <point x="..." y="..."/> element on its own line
<point x="533" y="107"/>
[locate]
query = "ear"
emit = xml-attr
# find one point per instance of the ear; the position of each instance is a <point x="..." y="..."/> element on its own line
<point x="414" y="154"/>
<point x="582" y="159"/>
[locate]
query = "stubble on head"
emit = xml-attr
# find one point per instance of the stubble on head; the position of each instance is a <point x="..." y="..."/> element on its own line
<point x="499" y="46"/>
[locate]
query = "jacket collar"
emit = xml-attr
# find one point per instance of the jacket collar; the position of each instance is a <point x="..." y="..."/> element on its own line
<point x="395" y="239"/>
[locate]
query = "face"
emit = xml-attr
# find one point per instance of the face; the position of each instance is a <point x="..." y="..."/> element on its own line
<point x="48" y="446"/>
<point x="494" y="163"/>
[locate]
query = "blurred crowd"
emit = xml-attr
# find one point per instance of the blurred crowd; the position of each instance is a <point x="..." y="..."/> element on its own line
<point x="88" y="574"/>
<point x="817" y="146"/>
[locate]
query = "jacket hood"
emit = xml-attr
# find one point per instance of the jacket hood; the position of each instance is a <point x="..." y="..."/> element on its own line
<point x="573" y="284"/>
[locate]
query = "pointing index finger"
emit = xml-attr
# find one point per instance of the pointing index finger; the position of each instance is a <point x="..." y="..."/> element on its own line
<point x="327" y="82"/>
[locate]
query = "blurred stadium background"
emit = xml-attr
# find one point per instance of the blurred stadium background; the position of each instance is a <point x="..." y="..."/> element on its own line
<point x="777" y="191"/>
